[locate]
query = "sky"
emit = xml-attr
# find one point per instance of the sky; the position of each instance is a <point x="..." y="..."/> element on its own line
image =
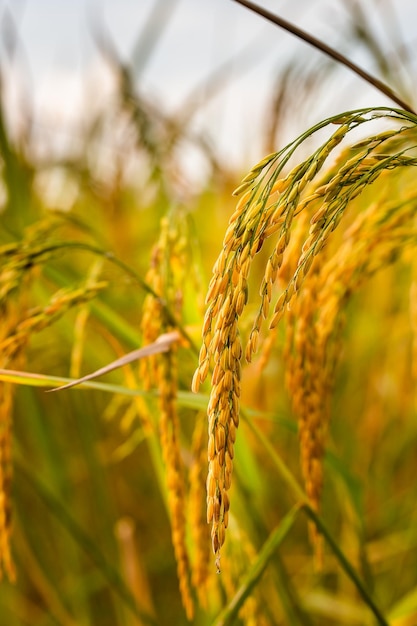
<point x="59" y="66"/>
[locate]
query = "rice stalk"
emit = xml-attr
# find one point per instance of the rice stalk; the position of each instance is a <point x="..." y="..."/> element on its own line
<point x="270" y="206"/>
<point x="20" y="262"/>
<point x="81" y="323"/>
<point x="6" y="405"/>
<point x="197" y="500"/>
<point x="413" y="322"/>
<point x="329" y="51"/>
<point x="132" y="567"/>
<point x="376" y="238"/>
<point x="41" y="317"/>
<point x="12" y="305"/>
<point x="14" y="337"/>
<point x="166" y="277"/>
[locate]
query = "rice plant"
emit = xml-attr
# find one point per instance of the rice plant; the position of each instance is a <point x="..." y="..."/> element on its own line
<point x="249" y="455"/>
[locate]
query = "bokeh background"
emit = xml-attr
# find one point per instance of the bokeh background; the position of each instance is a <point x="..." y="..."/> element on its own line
<point x="124" y="128"/>
<point x="214" y="57"/>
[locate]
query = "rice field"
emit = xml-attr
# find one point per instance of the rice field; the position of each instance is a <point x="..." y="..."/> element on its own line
<point x="236" y="439"/>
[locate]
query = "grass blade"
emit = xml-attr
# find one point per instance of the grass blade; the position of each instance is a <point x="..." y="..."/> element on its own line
<point x="275" y="539"/>
<point x="297" y="491"/>
<point x="346" y="565"/>
<point x="162" y="344"/>
<point x="45" y="380"/>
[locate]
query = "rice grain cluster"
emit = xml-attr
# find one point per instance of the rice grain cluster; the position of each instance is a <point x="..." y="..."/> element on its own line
<point x="273" y="204"/>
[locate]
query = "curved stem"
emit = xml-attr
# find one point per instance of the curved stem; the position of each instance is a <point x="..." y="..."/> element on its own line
<point x="54" y="247"/>
<point x="331" y="52"/>
<point x="346" y="565"/>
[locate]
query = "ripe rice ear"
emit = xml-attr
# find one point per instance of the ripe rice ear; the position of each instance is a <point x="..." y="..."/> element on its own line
<point x="302" y="210"/>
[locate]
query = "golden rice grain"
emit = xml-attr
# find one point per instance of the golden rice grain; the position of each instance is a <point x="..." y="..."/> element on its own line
<point x="166" y="275"/>
<point x="302" y="212"/>
<point x="6" y="561"/>
<point x="199" y="530"/>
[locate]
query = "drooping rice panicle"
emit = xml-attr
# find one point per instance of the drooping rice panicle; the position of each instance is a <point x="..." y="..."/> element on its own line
<point x="317" y="316"/>
<point x="10" y="314"/>
<point x="197" y="506"/>
<point x="40" y="318"/>
<point x="272" y="205"/>
<point x="165" y="276"/>
<point x="6" y="402"/>
<point x="19" y="264"/>
<point x="80" y="324"/>
<point x="169" y="432"/>
<point x="413" y="322"/>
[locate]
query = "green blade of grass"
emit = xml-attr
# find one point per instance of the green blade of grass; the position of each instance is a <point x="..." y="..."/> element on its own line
<point x="346" y="565"/>
<point x="46" y="380"/>
<point x="298" y="492"/>
<point x="186" y="399"/>
<point x="30" y="379"/>
<point x="229" y="614"/>
<point x="283" y="470"/>
<point x="162" y="344"/>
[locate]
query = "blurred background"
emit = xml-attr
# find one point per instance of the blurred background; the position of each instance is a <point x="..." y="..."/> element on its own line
<point x="212" y="64"/>
<point x="125" y="125"/>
